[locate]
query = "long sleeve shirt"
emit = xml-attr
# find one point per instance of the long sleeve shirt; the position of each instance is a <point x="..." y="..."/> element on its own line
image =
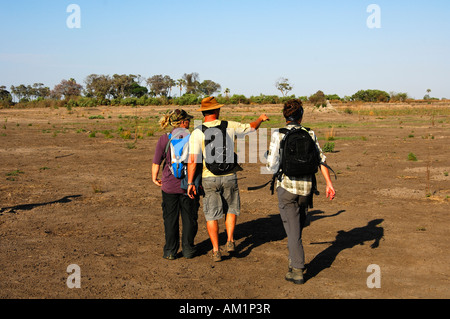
<point x="299" y="186"/>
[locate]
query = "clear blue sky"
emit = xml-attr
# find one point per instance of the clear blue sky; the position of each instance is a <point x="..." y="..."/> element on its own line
<point x="243" y="45"/>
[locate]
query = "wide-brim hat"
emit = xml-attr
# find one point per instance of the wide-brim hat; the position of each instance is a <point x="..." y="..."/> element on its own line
<point x="209" y="103"/>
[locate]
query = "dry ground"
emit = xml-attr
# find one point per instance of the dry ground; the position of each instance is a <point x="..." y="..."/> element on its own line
<point x="67" y="198"/>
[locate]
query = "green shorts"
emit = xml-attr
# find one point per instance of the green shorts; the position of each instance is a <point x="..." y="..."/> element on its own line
<point x="221" y="197"/>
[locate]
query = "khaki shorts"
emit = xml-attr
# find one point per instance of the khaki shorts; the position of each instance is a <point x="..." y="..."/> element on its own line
<point x="221" y="197"/>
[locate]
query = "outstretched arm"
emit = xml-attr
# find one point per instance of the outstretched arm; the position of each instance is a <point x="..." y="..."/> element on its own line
<point x="256" y="124"/>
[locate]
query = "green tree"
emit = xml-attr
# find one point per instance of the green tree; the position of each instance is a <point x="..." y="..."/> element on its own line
<point x="5" y="96"/>
<point x="192" y="82"/>
<point x="371" y="96"/>
<point x="283" y="86"/>
<point x="318" y="98"/>
<point x="181" y="83"/>
<point x="161" y="85"/>
<point x="67" y="89"/>
<point x="137" y="90"/>
<point x="99" y="86"/>
<point x="208" y="87"/>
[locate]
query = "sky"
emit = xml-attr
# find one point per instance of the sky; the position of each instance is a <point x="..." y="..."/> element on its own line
<point x="244" y="45"/>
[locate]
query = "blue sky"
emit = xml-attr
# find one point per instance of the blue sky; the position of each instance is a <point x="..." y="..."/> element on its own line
<point x="243" y="45"/>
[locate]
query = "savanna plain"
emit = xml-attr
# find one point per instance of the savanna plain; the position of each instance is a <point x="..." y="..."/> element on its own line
<point x="76" y="189"/>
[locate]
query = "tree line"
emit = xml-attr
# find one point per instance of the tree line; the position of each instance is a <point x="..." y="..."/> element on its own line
<point x="123" y="89"/>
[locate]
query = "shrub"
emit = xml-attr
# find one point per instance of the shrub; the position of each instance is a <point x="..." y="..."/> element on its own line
<point x="239" y="99"/>
<point x="96" y="117"/>
<point x="371" y="96"/>
<point x="333" y="97"/>
<point x="412" y="157"/>
<point x="318" y="99"/>
<point x="328" y="147"/>
<point x="188" y="99"/>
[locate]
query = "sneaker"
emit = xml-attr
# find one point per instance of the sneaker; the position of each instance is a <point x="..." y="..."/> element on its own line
<point x="216" y="256"/>
<point x="231" y="247"/>
<point x="295" y="276"/>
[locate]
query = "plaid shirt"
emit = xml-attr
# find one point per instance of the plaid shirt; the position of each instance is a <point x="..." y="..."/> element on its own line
<point x="299" y="186"/>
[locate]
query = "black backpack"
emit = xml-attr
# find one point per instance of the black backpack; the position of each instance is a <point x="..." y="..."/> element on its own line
<point x="220" y="157"/>
<point x="299" y="157"/>
<point x="298" y="153"/>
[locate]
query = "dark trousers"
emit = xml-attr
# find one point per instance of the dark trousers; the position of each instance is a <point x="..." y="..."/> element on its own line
<point x="174" y="205"/>
<point x="293" y="209"/>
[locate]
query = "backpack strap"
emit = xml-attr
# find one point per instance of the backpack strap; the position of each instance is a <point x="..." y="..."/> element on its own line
<point x="175" y="136"/>
<point x="329" y="168"/>
<point x="223" y="126"/>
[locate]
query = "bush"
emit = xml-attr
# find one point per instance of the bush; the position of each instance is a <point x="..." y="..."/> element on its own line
<point x="328" y="147"/>
<point x="398" y="97"/>
<point x="318" y="99"/>
<point x="333" y="97"/>
<point x="265" y="99"/>
<point x="412" y="157"/>
<point x="188" y="99"/>
<point x="239" y="99"/>
<point x="371" y="96"/>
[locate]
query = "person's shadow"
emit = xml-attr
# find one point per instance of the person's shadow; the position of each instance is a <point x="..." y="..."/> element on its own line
<point x="256" y="233"/>
<point x="27" y="207"/>
<point x="345" y="240"/>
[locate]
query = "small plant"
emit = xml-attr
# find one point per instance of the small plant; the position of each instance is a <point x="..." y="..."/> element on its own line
<point x="328" y="147"/>
<point x="96" y="188"/>
<point x="92" y="134"/>
<point x="330" y="135"/>
<point x="131" y="146"/>
<point x="126" y="135"/>
<point x="107" y="134"/>
<point x="15" y="173"/>
<point x="11" y="175"/>
<point x="412" y="157"/>
<point x="348" y="111"/>
<point x="96" y="117"/>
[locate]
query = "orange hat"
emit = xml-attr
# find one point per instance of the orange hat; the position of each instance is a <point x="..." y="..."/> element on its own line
<point x="209" y="103"/>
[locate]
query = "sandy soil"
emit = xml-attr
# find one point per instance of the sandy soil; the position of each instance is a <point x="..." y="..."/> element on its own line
<point x="67" y="198"/>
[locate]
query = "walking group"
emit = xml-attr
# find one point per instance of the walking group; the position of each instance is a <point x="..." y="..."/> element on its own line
<point x="202" y="164"/>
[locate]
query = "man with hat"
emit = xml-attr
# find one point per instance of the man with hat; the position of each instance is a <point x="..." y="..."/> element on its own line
<point x="221" y="192"/>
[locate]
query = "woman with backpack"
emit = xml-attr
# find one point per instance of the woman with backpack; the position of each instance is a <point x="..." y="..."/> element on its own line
<point x="295" y="156"/>
<point x="175" y="201"/>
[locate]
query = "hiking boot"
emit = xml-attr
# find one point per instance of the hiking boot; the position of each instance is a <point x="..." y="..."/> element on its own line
<point x="295" y="276"/>
<point x="216" y="256"/>
<point x="231" y="247"/>
<point x="169" y="257"/>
